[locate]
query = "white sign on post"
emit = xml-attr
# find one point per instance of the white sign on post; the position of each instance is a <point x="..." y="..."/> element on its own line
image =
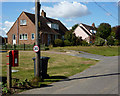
<point x="35" y="48"/>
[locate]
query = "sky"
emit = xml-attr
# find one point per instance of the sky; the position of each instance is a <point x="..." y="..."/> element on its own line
<point x="69" y="13"/>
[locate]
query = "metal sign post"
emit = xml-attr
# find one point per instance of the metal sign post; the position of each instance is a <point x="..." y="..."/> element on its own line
<point x="37" y="15"/>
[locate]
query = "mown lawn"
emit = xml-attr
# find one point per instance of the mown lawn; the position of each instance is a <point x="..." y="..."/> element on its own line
<point x="59" y="66"/>
<point x="99" y="50"/>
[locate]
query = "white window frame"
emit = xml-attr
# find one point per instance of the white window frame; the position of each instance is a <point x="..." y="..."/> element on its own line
<point x="23" y="36"/>
<point x="22" y="22"/>
<point x="13" y="37"/>
<point x="31" y="36"/>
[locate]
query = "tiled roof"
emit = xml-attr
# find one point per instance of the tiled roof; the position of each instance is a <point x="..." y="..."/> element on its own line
<point x="88" y="27"/>
<point x="45" y="27"/>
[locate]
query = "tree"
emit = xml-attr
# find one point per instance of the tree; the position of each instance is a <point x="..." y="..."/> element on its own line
<point x="70" y="37"/>
<point x="118" y="34"/>
<point x="74" y="27"/>
<point x="104" y="30"/>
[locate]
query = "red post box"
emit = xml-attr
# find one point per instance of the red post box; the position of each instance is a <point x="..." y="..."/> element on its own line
<point x="13" y="58"/>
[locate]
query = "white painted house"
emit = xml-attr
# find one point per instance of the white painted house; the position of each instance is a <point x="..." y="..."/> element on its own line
<point x="85" y="31"/>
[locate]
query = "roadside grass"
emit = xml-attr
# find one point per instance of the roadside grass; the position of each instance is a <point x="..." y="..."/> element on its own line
<point x="59" y="66"/>
<point x="99" y="50"/>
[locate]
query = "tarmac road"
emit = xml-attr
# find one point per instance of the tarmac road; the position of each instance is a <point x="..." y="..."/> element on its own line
<point x="101" y="78"/>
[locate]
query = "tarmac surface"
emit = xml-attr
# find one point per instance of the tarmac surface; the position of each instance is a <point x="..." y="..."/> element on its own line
<point x="101" y="78"/>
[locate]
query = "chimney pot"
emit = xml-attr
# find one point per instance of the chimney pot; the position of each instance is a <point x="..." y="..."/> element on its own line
<point x="43" y="13"/>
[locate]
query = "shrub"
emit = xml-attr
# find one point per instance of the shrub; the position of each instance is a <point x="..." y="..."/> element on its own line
<point x="99" y="41"/>
<point x="67" y="43"/>
<point x="84" y="43"/>
<point x="116" y="42"/>
<point x="58" y="42"/>
<point x="110" y="40"/>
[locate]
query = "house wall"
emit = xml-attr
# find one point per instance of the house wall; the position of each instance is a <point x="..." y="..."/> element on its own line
<point x="80" y="33"/>
<point x="12" y="31"/>
<point x="22" y="29"/>
<point x="28" y="29"/>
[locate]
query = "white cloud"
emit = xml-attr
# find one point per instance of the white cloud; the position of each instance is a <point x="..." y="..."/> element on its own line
<point x="69" y="28"/>
<point x="5" y="27"/>
<point x="67" y="10"/>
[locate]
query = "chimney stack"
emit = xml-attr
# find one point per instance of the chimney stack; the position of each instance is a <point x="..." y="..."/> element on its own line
<point x="43" y="13"/>
<point x="93" y="25"/>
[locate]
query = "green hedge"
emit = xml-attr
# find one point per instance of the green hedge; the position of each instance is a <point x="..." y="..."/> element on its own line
<point x="22" y="47"/>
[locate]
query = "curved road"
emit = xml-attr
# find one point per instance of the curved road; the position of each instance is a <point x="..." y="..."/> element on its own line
<point x="101" y="78"/>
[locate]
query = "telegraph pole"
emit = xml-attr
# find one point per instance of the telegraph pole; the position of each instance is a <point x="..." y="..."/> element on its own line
<point x="37" y="24"/>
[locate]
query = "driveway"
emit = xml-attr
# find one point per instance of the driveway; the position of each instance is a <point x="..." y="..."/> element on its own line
<point x="101" y="78"/>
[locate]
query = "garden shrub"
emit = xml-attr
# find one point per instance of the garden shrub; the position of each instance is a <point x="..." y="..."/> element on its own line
<point x="67" y="43"/>
<point x="84" y="43"/>
<point x="116" y="42"/>
<point x="99" y="41"/>
<point x="110" y="40"/>
<point x="58" y="42"/>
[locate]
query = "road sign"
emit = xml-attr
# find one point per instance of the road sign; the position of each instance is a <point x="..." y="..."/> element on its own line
<point x="35" y="48"/>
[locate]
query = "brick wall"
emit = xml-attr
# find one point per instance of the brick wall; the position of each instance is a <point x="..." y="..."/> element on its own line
<point x="22" y="29"/>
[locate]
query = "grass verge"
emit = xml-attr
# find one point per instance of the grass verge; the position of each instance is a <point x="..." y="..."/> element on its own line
<point x="99" y="50"/>
<point x="59" y="66"/>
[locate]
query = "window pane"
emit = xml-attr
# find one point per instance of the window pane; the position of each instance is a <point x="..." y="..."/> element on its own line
<point x="25" y="36"/>
<point x="32" y="35"/>
<point x="13" y="37"/>
<point x="20" y="37"/>
<point x="23" y="22"/>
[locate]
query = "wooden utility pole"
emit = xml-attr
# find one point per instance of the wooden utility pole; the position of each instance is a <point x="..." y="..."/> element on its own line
<point x="37" y="24"/>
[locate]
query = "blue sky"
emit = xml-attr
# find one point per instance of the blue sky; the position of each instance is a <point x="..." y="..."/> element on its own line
<point x="69" y="13"/>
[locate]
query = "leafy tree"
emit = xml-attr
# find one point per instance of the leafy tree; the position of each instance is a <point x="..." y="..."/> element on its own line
<point x="110" y="40"/>
<point x="113" y="32"/>
<point x="118" y="34"/>
<point x="70" y="37"/>
<point x="74" y="27"/>
<point x="104" y="30"/>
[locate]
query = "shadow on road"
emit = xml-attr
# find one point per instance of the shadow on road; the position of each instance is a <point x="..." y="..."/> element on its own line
<point x="94" y="76"/>
<point x="55" y="78"/>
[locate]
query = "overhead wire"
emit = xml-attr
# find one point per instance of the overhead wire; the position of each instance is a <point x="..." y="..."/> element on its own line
<point x="105" y="10"/>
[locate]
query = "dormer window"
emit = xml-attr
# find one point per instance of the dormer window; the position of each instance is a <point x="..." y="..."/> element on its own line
<point x="53" y="25"/>
<point x="23" y="22"/>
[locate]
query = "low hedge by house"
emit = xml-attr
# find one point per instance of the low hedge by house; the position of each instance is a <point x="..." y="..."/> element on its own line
<point x="21" y="47"/>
